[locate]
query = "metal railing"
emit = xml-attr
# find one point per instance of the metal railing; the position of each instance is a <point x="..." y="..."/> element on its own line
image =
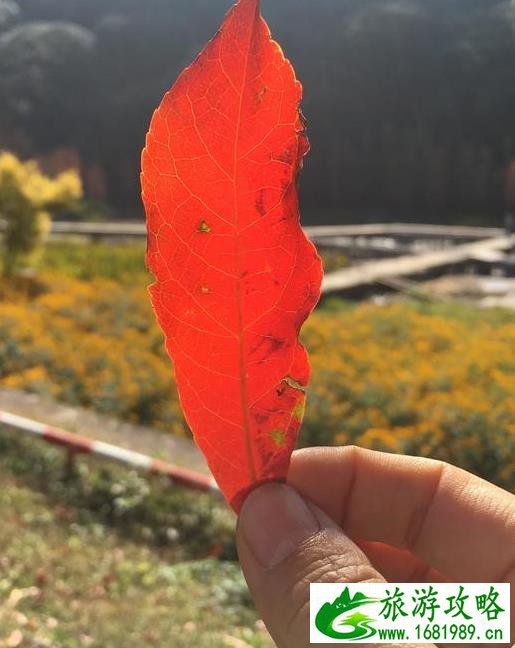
<point x="76" y="444"/>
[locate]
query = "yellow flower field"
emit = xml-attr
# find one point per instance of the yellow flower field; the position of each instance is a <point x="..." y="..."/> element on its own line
<point x="396" y="378"/>
<point x="399" y="380"/>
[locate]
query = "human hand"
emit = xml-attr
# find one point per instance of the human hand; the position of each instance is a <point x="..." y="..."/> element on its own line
<point x="404" y="519"/>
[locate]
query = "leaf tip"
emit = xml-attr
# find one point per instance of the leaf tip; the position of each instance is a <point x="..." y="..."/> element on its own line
<point x="250" y="5"/>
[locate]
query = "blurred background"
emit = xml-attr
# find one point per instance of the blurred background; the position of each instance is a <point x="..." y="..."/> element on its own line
<point x="409" y="194"/>
<point x="410" y="103"/>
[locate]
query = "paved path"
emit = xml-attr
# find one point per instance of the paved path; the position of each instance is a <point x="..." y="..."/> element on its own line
<point x="405" y="266"/>
<point x="161" y="445"/>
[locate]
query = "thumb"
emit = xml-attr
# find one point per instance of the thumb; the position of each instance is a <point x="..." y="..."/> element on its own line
<point x="285" y="543"/>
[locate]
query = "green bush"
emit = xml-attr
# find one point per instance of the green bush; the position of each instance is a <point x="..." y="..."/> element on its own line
<point x="151" y="510"/>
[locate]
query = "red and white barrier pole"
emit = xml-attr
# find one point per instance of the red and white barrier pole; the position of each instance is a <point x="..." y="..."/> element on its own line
<point x="77" y="444"/>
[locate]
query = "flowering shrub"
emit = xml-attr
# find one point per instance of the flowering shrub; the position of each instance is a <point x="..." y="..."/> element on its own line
<point x="93" y="344"/>
<point x="393" y="378"/>
<point x="403" y="381"/>
<point x="27" y="197"/>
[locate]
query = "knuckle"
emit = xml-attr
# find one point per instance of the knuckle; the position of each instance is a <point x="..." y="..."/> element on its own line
<point x="422" y="510"/>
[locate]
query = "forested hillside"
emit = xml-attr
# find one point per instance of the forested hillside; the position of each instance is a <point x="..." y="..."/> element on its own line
<point x="410" y="103"/>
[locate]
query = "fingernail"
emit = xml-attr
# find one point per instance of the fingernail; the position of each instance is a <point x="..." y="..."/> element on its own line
<point x="275" y="520"/>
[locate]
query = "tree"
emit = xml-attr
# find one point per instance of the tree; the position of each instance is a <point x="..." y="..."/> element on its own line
<point x="400" y="128"/>
<point x="509" y="187"/>
<point x="9" y="11"/>
<point x="45" y="75"/>
<point x="27" y="197"/>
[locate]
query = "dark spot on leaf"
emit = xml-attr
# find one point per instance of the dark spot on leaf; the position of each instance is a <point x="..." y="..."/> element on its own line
<point x="204" y="227"/>
<point x="267" y="346"/>
<point x="261" y="418"/>
<point x="260" y="203"/>
<point x="281" y="389"/>
<point x="275" y="344"/>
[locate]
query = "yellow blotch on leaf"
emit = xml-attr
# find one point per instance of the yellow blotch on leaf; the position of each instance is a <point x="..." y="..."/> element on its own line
<point x="278" y="437"/>
<point x="299" y="410"/>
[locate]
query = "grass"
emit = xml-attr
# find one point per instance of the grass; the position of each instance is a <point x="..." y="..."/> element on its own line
<point x="119" y="262"/>
<point x="122" y="262"/>
<point x="125" y="263"/>
<point x="461" y="311"/>
<point x="75" y="571"/>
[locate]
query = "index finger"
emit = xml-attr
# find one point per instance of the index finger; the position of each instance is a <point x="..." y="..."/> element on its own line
<point x="458" y="523"/>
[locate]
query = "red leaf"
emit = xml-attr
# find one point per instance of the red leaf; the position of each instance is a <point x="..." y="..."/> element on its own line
<point x="235" y="275"/>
